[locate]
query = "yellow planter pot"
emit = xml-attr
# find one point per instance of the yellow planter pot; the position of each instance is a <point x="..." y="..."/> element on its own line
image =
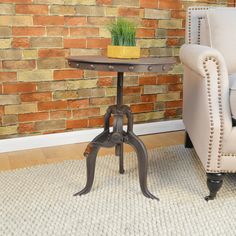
<point x="126" y="52"/>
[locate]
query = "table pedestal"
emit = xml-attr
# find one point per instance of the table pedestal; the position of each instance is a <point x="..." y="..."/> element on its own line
<point x="116" y="138"/>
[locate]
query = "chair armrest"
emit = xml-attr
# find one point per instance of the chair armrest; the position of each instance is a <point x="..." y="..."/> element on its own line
<point x="193" y="56"/>
<point x="206" y="110"/>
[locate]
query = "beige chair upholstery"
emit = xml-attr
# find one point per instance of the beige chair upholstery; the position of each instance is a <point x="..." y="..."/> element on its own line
<point x="209" y="96"/>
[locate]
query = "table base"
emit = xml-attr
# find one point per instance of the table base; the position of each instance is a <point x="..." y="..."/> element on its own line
<point x="116" y="138"/>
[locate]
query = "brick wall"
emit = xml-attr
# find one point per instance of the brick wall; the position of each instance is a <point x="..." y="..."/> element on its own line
<point x="39" y="93"/>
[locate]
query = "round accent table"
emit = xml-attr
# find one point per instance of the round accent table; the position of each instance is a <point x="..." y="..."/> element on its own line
<point x="117" y="137"/>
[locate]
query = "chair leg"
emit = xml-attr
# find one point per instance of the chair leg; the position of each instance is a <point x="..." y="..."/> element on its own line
<point x="214" y="183"/>
<point x="188" y="142"/>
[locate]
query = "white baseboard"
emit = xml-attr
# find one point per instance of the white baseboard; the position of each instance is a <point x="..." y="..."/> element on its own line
<point x="49" y="140"/>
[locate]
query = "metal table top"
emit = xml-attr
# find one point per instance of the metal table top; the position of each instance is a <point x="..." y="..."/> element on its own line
<point x="101" y="63"/>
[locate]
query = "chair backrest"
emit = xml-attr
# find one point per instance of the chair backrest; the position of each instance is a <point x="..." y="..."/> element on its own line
<point x="214" y="27"/>
<point x="193" y="24"/>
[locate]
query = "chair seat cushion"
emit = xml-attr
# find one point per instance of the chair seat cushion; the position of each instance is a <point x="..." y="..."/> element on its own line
<point x="232" y="96"/>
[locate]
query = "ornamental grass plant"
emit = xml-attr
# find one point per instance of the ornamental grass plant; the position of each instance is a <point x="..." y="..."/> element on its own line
<point x="123" y="32"/>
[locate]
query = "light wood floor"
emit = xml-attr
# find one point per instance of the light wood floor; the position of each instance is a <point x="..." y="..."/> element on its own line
<point x="20" y="159"/>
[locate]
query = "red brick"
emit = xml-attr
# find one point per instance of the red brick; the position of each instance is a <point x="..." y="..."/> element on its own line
<point x="20" y="43"/>
<point x="36" y="97"/>
<point x="86" y="112"/>
<point x="128" y="12"/>
<point x="28" y="31"/>
<point x="33" y="116"/>
<point x="26" y="128"/>
<point x="173" y="42"/>
<point x="27" y="64"/>
<point x="96" y="122"/>
<point x="7" y="76"/>
<point x="149" y="98"/>
<point x="48" y="20"/>
<point x="149" y="3"/>
<point x="143" y="107"/>
<point x="145" y="33"/>
<point x="32" y="9"/>
<point x="169" y="113"/>
<point x="83" y="103"/>
<point x="147" y="80"/>
<point x="168" y="79"/>
<point x="171" y="104"/>
<point x="84" y="31"/>
<point x="44" y="53"/>
<point x="73" y="124"/>
<point x="231" y="3"/>
<point x="170" y="4"/>
<point x="148" y="23"/>
<point x="106" y="73"/>
<point x="75" y="20"/>
<point x="105" y="82"/>
<point x="74" y="43"/>
<point x="132" y="90"/>
<point x="67" y="74"/>
<point x="54" y="105"/>
<point x="14" y="88"/>
<point x="175" y="87"/>
<point x="98" y="42"/>
<point x="104" y="2"/>
<point x="178" y="14"/>
<point x="176" y="32"/>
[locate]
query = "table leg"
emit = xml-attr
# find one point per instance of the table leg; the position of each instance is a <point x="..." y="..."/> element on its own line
<point x="120" y="152"/>
<point x="142" y="155"/>
<point x="91" y="154"/>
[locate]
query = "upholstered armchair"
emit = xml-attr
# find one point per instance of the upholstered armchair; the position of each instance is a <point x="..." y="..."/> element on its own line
<point x="209" y="96"/>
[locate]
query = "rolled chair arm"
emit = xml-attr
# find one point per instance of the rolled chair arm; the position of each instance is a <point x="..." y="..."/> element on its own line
<point x="193" y="56"/>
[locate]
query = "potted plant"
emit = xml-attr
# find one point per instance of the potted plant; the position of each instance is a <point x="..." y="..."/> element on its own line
<point x="123" y="34"/>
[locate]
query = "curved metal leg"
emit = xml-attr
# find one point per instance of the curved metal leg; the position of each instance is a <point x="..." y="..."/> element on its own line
<point x="90" y="162"/>
<point x="141" y="151"/>
<point x="91" y="154"/>
<point x="120" y="152"/>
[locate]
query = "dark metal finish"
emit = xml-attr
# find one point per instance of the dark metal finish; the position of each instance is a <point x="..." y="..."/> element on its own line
<point x="99" y="63"/>
<point x="118" y="136"/>
<point x="120" y="77"/>
<point x="214" y="183"/>
<point x="120" y="152"/>
<point x="187" y="143"/>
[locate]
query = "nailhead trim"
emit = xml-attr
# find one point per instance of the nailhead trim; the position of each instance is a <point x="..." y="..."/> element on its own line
<point x="199" y="30"/>
<point x="190" y="10"/>
<point x="211" y="114"/>
<point x="229" y="154"/>
<point x="220" y="171"/>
